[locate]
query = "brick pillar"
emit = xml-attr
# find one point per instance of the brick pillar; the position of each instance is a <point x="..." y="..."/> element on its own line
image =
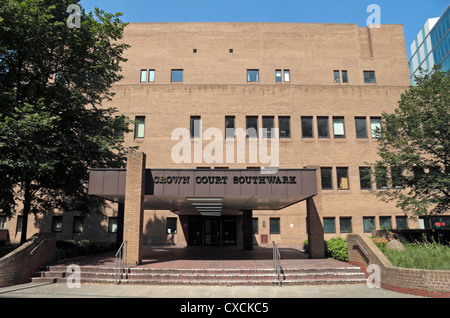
<point x="247" y="229"/>
<point x="314" y="224"/>
<point x="134" y="209"/>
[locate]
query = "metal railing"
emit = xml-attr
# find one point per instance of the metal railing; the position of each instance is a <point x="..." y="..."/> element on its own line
<point x="277" y="261"/>
<point x="37" y="246"/>
<point x="360" y="246"/>
<point x="121" y="257"/>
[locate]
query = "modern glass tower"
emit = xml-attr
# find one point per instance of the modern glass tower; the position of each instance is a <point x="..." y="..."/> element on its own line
<point x="431" y="46"/>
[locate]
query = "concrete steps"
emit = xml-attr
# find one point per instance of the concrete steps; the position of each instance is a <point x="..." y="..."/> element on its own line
<point x="166" y="276"/>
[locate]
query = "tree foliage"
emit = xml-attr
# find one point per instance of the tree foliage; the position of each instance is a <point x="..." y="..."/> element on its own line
<point x="415" y="148"/>
<point x="53" y="82"/>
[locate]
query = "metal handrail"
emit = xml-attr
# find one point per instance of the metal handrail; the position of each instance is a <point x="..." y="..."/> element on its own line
<point x="277" y="261"/>
<point x="37" y="246"/>
<point x="360" y="246"/>
<point x="120" y="261"/>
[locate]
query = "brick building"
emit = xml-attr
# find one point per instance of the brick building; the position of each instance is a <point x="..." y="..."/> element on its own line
<point x="321" y="87"/>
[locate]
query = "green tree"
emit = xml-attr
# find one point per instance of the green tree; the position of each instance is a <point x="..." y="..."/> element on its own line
<point x="414" y="147"/>
<point x="53" y="82"/>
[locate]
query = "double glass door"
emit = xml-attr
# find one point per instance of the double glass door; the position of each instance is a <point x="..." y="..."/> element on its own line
<point x="212" y="230"/>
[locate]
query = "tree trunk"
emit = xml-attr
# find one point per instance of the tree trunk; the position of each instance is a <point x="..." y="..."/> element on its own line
<point x="26" y="211"/>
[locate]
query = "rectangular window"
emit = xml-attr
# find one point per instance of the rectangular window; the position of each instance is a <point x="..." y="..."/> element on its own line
<point x="307" y="127"/>
<point x="369" y="76"/>
<point x="397" y="178"/>
<point x="252" y="126"/>
<point x="361" y="127"/>
<point x="364" y="178"/>
<point x="329" y="225"/>
<point x="57" y="223"/>
<point x="385" y="223"/>
<point x="229" y="127"/>
<point x="19" y="223"/>
<point x="2" y="222"/>
<point x="275" y="226"/>
<point x="327" y="179"/>
<point x="112" y="225"/>
<point x="338" y="127"/>
<point x="368" y="223"/>
<point x="336" y="76"/>
<point x="252" y="75"/>
<point x="287" y="76"/>
<point x="344" y="77"/>
<point x="176" y="76"/>
<point x="151" y="75"/>
<point x="268" y="125"/>
<point x="171" y="226"/>
<point x="381" y="177"/>
<point x="143" y="76"/>
<point x="402" y="222"/>
<point x="78" y="222"/>
<point x="139" y="127"/>
<point x="255" y="225"/>
<point x="284" y="125"/>
<point x="345" y="224"/>
<point x="375" y="126"/>
<point x="278" y="76"/>
<point x="342" y="178"/>
<point x="323" y="129"/>
<point x="196" y="126"/>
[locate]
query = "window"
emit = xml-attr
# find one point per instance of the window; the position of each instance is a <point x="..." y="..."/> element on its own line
<point x="143" y="76"/>
<point x="329" y="225"/>
<point x="112" y="225"/>
<point x="326" y="178"/>
<point x="139" y="127"/>
<point x="78" y="222"/>
<point x="345" y="224"/>
<point x="342" y="178"/>
<point x="284" y="125"/>
<point x="275" y="226"/>
<point x="268" y="125"/>
<point x="2" y="222"/>
<point x="385" y="223"/>
<point x="19" y="223"/>
<point x="230" y="50"/>
<point x="307" y="127"/>
<point x="194" y="50"/>
<point x="375" y="126"/>
<point x="402" y="222"/>
<point x="361" y="128"/>
<point x="57" y="223"/>
<point x="336" y="76"/>
<point x="397" y="178"/>
<point x="322" y="127"/>
<point x="364" y="178"/>
<point x="176" y="76"/>
<point x="369" y="76"/>
<point x="287" y="76"/>
<point x="196" y="126"/>
<point x="151" y="75"/>
<point x="338" y="127"/>
<point x="278" y="76"/>
<point x="252" y="75"/>
<point x="255" y="225"/>
<point x="381" y="177"/>
<point x="252" y="126"/>
<point x="229" y="127"/>
<point x="344" y="77"/>
<point x="171" y="225"/>
<point x="368" y="223"/>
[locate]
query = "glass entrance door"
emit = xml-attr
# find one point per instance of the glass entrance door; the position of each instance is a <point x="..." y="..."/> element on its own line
<point x="212" y="231"/>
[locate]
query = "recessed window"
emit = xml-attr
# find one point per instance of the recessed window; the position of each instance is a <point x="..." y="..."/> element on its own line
<point x="278" y="77"/>
<point x="342" y="178"/>
<point x="230" y="50"/>
<point x="176" y="75"/>
<point x="252" y="126"/>
<point x="364" y="178"/>
<point x="143" y="75"/>
<point x="323" y="130"/>
<point x="307" y="127"/>
<point x="268" y="126"/>
<point x="195" y="126"/>
<point x="194" y="51"/>
<point x="229" y="126"/>
<point x="151" y="75"/>
<point x="57" y="223"/>
<point x="375" y="126"/>
<point x="344" y="77"/>
<point x="255" y="225"/>
<point x="396" y="177"/>
<point x="78" y="224"/>
<point x="381" y="177"/>
<point x="385" y="223"/>
<point x="402" y="222"/>
<point x="338" y="127"/>
<point x="2" y="222"/>
<point x="19" y="223"/>
<point x="326" y="178"/>
<point x="284" y="125"/>
<point x="336" y="75"/>
<point x="287" y="76"/>
<point x="345" y="224"/>
<point x="252" y="75"/>
<point x="361" y="127"/>
<point x="139" y="127"/>
<point x="171" y="225"/>
<point x="329" y="225"/>
<point x="369" y="77"/>
<point x="112" y="225"/>
<point x="274" y="226"/>
<point x="369" y="224"/>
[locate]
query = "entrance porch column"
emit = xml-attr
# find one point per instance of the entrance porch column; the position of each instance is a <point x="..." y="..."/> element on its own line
<point x="134" y="208"/>
<point x="247" y="229"/>
<point x="316" y="242"/>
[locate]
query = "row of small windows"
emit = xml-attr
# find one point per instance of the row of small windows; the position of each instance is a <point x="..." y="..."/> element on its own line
<point x="345" y="224"/>
<point x="281" y="76"/>
<point x="284" y="126"/>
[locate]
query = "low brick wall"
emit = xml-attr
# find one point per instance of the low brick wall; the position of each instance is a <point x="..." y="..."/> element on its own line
<point x="4" y="235"/>
<point x="19" y="266"/>
<point x="422" y="282"/>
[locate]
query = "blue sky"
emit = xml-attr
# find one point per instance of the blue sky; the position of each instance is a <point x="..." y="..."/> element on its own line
<point x="411" y="13"/>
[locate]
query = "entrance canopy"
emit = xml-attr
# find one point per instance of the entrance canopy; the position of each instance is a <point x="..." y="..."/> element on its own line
<point x="209" y="192"/>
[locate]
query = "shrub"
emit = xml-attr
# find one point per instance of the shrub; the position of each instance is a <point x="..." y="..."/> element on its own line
<point x="72" y="249"/>
<point x="337" y="248"/>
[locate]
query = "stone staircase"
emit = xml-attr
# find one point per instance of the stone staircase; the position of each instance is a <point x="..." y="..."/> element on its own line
<point x="164" y="276"/>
